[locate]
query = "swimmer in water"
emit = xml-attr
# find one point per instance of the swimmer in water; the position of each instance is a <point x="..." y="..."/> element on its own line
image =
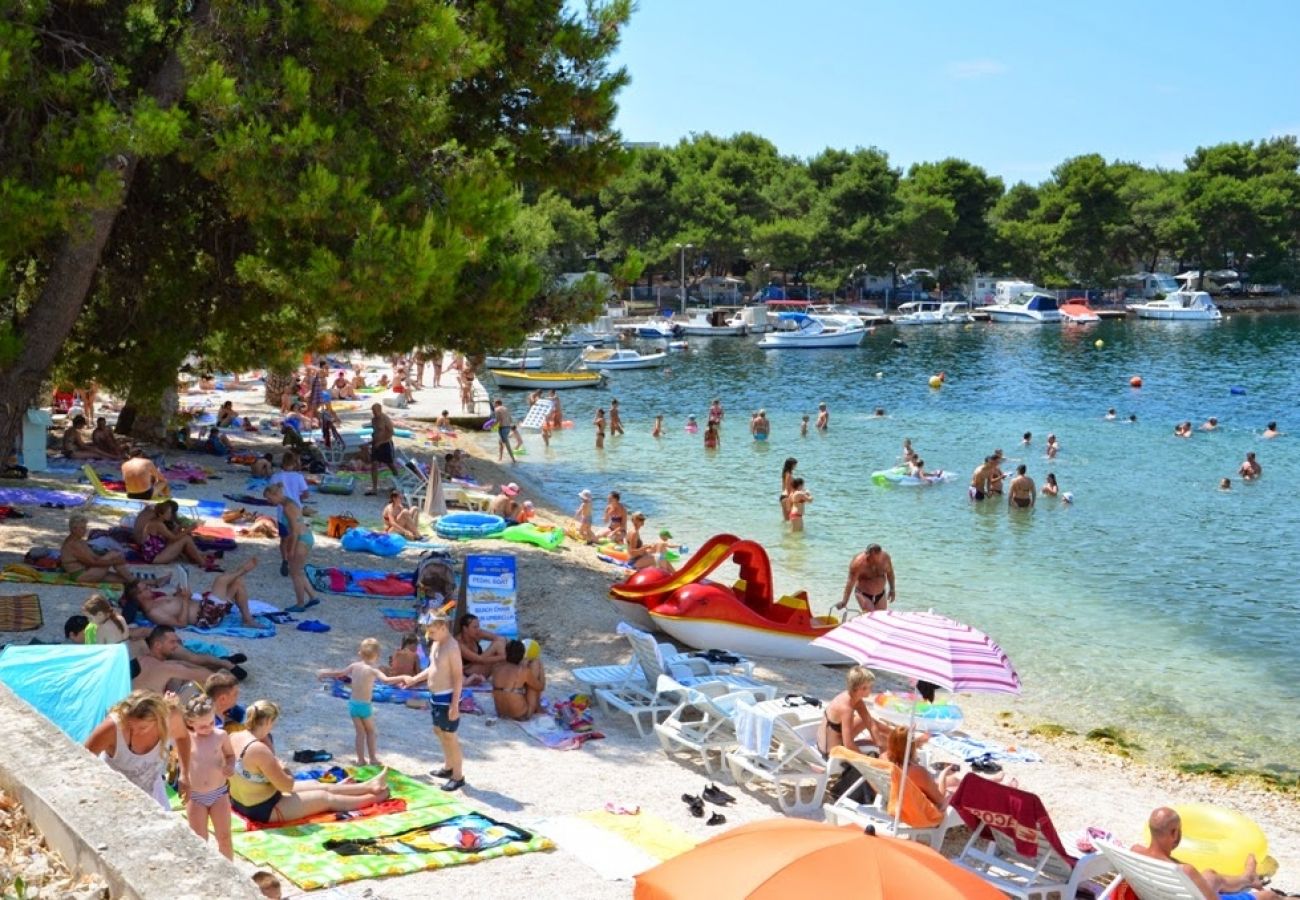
<point x="1132" y="418"/>
<point x="711" y="436"/>
<point x="1028" y="438"/>
<point x="803" y="426"/>
<point x="1052" y="446"/>
<point x="1020" y="490"/>
<point x="1210" y="424"/>
<point x="908" y="453"/>
<point x="658" y="430"/>
<point x="823" y="417"/>
<point x="615" y="420"/>
<point x="1271" y="431"/>
<point x="759" y="426"/>
<point x="1051" y="489"/>
<point x="879" y="413"/>
<point x="798" y="499"/>
<point x="1110" y="414"/>
<point x="599" y="422"/>
<point x="1225" y="484"/>
<point x="1250" y="468"/>
<point x="691" y="425"/>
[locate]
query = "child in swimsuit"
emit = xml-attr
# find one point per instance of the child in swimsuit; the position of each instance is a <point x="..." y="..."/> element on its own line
<point x="212" y="762"/>
<point x="363" y="674"/>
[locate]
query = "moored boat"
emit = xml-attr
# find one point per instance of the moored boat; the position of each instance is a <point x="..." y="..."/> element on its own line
<point x="713" y="324"/>
<point x="516" y="359"/>
<point x="933" y="312"/>
<point x="1030" y="308"/>
<point x="594" y="359"/>
<point x="1076" y="311"/>
<point x="1180" y="306"/>
<point x="801" y="331"/>
<point x="527" y="381"/>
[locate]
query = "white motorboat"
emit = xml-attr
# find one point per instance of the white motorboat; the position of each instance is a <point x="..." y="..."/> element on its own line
<point x="595" y="359"/>
<point x="591" y="335"/>
<point x="1180" y="306"/>
<point x="1029" y="308"/>
<point x="802" y="331"/>
<point x="515" y="359"/>
<point x="933" y="312"/>
<point x="713" y="324"/>
<point x="1076" y="311"/>
<point x="651" y="329"/>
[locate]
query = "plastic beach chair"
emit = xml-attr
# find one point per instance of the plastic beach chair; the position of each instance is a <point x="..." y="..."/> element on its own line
<point x="100" y="491"/>
<point x="1150" y="879"/>
<point x="1014" y="845"/>
<point x="595" y="677"/>
<point x="920" y="820"/>
<point x="790" y="765"/>
<point x="702" y="722"/>
<point x="645" y="696"/>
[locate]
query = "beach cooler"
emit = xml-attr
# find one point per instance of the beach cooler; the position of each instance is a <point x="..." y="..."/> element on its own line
<point x="36" y="424"/>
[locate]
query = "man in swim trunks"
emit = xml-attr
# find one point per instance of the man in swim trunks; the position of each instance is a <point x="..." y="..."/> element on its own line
<point x="381" y="446"/>
<point x="157" y="667"/>
<point x="870" y="572"/>
<point x="1167" y="833"/>
<point x="823" y="417"/>
<point x="1022" y="490"/>
<point x="205" y="609"/>
<point x="759" y="426"/>
<point x="505" y="423"/>
<point x="142" y="478"/>
<point x="979" y="480"/>
<point x="615" y="419"/>
<point x="1250" y="469"/>
<point x="103" y="438"/>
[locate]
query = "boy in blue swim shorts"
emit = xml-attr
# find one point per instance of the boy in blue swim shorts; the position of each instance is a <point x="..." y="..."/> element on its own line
<point x="445" y="678"/>
<point x="363" y="674"/>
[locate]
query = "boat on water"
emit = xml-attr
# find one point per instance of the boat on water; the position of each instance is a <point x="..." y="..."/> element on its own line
<point x="660" y="329"/>
<point x="745" y="617"/>
<point x="527" y="358"/>
<point x="1029" y="308"/>
<point x="933" y="312"/>
<point x="1076" y="311"/>
<point x="800" y="331"/>
<point x="1180" y="306"/>
<point x="594" y="334"/>
<point x="527" y="381"/>
<point x="595" y="359"/>
<point x="714" y="323"/>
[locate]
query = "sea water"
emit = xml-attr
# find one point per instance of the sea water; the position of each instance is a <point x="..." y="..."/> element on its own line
<point x="1155" y="602"/>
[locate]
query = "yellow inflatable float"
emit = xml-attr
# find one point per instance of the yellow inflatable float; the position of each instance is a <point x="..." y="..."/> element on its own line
<point x="1221" y="839"/>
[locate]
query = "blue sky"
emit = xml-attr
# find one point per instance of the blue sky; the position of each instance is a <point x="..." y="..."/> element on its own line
<point x="1013" y="87"/>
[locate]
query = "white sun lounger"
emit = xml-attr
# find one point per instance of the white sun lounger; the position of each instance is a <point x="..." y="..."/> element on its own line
<point x="1150" y="879"/>
<point x="790" y="766"/>
<point x="702" y="722"/>
<point x="879" y="775"/>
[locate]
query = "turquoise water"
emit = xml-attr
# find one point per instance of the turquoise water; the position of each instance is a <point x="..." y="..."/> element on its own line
<point x="1156" y="602"/>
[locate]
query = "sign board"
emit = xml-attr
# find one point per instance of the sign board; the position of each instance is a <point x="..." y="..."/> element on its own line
<point x="492" y="593"/>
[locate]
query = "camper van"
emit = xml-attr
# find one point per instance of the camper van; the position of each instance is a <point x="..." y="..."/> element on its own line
<point x="1148" y="285"/>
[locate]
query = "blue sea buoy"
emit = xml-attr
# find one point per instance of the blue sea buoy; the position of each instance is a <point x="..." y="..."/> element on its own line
<point x="1237" y="389"/>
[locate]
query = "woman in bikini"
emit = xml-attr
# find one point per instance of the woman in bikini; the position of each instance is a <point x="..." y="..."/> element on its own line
<point x="262" y="791"/>
<point x="163" y="540"/>
<point x="847" y="716"/>
<point x="517" y="684"/>
<point x="787" y="476"/>
<point x="298" y="541"/>
<point x="796" y="501"/>
<point x="711" y="436"/>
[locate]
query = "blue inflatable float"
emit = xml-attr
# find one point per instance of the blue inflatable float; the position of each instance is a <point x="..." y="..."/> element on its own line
<point x="468" y="525"/>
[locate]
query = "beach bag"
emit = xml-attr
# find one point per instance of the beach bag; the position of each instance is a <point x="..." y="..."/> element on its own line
<point x="337" y="526"/>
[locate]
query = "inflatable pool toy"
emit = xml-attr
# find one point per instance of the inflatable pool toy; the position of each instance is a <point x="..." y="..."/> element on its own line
<point x="363" y="540"/>
<point x="532" y="649"/>
<point x="743" y="616"/>
<point x="1218" y="838"/>
<point x="468" y="525"/>
<point x="528" y="533"/>
<point x="1135" y="381"/>
<point x="931" y="718"/>
<point x="618" y="552"/>
<point x="898" y="475"/>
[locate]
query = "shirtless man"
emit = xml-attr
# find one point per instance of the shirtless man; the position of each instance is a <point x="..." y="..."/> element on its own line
<point x="557" y="414"/>
<point x="869" y="573"/>
<point x="1022" y="490"/>
<point x="979" y="479"/>
<point x="1167" y="833"/>
<point x="205" y="610"/>
<point x="759" y="426"/>
<point x="75" y="445"/>
<point x="142" y="478"/>
<point x="615" y="419"/>
<point x="103" y="438"/>
<point x="517" y="684"/>
<point x="381" y="446"/>
<point x="505" y="424"/>
<point x="1250" y="468"/>
<point x="823" y="417"/>
<point x="1271" y="431"/>
<point x="445" y="678"/>
<point x="74" y="630"/>
<point x="77" y="558"/>
<point x="1210" y="424"/>
<point x="157" y="666"/>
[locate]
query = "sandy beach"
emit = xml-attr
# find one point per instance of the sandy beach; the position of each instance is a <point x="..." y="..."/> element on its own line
<point x="561" y="604"/>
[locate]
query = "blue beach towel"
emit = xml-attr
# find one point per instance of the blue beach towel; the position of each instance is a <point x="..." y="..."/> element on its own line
<point x="233" y="626"/>
<point x="383" y="693"/>
<point x="969" y="748"/>
<point x="72" y="685"/>
<point x="17" y="496"/>
<point x="206" y="648"/>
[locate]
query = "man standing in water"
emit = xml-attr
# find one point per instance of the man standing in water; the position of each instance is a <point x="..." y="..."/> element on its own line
<point x="869" y="574"/>
<point x="505" y="423"/>
<point x="1021" y="490"/>
<point x="445" y="679"/>
<point x="979" y="479"/>
<point x="759" y="426"/>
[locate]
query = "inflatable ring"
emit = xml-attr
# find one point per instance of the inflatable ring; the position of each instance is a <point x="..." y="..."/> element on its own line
<point x="618" y="553"/>
<point x="468" y="525"/>
<point x="1220" y="839"/>
<point x="528" y="533"/>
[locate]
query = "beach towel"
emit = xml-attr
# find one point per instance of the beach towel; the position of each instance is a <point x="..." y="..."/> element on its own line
<point x="550" y="733"/>
<point x="753" y="728"/>
<point x="400" y="620"/>
<point x="248" y="500"/>
<point x="20" y="612"/>
<point x="24" y="574"/>
<point x="17" y="496"/>
<point x="299" y="852"/>
<point x="233" y="626"/>
<point x="353" y="582"/>
<point x="383" y="693"/>
<point x="206" y="648"/>
<point x="969" y="749"/>
<point x="617" y="848"/>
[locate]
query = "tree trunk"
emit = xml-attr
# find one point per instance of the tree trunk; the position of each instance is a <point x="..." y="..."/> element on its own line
<point x="48" y="322"/>
<point x="276" y="384"/>
<point x="152" y="417"/>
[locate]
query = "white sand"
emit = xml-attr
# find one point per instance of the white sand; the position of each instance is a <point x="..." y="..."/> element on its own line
<point x="515" y="779"/>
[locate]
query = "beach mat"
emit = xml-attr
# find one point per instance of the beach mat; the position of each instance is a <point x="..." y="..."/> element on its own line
<point x="21" y="573"/>
<point x="394" y="844"/>
<point x="16" y="496"/>
<point x="20" y="612"/>
<point x="352" y="582"/>
<point x="549" y="733"/>
<point x="403" y="621"/>
<point x="233" y="626"/>
<point x="617" y="848"/>
<point x="383" y="693"/>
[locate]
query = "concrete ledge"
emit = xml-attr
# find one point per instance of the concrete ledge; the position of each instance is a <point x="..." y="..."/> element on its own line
<point x="100" y="822"/>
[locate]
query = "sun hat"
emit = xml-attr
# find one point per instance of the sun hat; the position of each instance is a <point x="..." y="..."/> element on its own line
<point x="665" y="533"/>
<point x="584" y="494"/>
<point x="510" y="489"/>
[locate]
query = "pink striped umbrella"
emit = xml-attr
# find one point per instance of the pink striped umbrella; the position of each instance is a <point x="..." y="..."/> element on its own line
<point x="928" y="647"/>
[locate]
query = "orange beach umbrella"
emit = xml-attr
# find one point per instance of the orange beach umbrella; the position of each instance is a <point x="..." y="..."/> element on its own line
<point x="780" y="858"/>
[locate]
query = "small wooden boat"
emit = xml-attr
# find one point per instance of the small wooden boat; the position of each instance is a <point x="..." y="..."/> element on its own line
<point x="527" y="381"/>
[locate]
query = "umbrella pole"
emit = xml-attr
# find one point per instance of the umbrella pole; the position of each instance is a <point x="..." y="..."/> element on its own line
<point x="902" y="779"/>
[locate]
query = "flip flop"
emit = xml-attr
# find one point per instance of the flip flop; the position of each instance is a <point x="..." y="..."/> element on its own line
<point x="313" y="626"/>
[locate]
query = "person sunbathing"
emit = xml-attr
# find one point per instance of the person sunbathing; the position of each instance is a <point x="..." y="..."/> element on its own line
<point x="848" y="718"/>
<point x="937" y="790"/>
<point x="102" y="438"/>
<point x="75" y="445"/>
<point x="87" y="566"/>
<point x="182" y="608"/>
<point x="75" y="632"/>
<point x="476" y="660"/>
<point x="162" y="539"/>
<point x="1167" y="833"/>
<point x="142" y="478"/>
<point x="157" y="665"/>
<point x="400" y="518"/>
<point x="517" y="684"/>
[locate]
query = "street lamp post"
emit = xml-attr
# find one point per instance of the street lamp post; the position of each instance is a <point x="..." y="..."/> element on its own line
<point x="682" y="248"/>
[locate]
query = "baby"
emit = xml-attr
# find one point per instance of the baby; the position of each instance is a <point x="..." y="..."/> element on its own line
<point x="363" y="674"/>
<point x="212" y="762"/>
